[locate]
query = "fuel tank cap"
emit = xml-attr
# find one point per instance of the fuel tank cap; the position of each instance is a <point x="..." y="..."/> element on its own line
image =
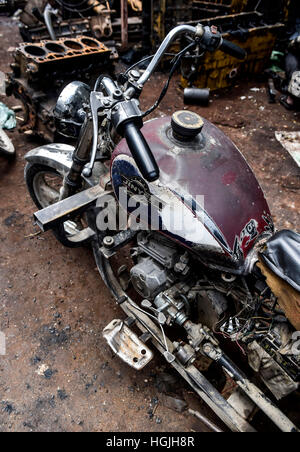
<point x="186" y="125"/>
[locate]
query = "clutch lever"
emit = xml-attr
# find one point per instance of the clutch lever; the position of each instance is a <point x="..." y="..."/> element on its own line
<point x="97" y="102"/>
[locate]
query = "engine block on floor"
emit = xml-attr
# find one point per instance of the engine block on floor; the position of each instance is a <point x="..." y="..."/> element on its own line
<point x="42" y="70"/>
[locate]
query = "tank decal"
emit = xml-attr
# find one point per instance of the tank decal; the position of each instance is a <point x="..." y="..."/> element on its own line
<point x="249" y="235"/>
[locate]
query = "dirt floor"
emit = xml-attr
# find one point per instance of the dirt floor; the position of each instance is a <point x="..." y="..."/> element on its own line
<point x="58" y="374"/>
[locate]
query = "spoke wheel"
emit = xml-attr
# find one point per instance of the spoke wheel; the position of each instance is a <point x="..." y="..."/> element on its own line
<point x="44" y="184"/>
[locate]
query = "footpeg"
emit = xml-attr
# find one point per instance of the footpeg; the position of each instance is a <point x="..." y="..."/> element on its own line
<point x="127" y="345"/>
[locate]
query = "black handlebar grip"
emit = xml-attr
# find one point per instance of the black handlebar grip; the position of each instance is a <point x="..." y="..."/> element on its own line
<point x="141" y="152"/>
<point x="232" y="49"/>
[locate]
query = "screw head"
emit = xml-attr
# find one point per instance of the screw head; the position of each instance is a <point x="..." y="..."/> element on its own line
<point x="108" y="241"/>
<point x="135" y="74"/>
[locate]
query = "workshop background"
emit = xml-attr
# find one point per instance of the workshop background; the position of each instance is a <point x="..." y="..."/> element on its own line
<point x="58" y="374"/>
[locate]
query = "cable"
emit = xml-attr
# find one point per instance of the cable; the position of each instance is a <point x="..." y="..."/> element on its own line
<point x="166" y="87"/>
<point x="74" y="5"/>
<point x="138" y="63"/>
<point x="75" y="10"/>
<point x="98" y="81"/>
<point x="152" y="56"/>
<point x="166" y="54"/>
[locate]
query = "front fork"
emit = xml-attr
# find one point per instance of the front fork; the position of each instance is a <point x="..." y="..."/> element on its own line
<point x="81" y="156"/>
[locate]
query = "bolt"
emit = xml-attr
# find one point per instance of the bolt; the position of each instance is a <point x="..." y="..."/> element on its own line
<point x="108" y="241"/>
<point x="135" y="74"/>
<point x="118" y="94"/>
<point x="207" y="348"/>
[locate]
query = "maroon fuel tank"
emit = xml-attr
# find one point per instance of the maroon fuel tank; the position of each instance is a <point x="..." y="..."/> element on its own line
<point x="208" y="166"/>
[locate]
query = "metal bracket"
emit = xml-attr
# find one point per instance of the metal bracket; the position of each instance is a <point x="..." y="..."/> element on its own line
<point x="127" y="345"/>
<point x="67" y="208"/>
<point x="118" y="241"/>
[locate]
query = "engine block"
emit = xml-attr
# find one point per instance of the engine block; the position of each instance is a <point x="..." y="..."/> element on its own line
<point x="41" y="70"/>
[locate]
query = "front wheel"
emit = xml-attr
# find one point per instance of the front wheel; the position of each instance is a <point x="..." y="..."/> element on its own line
<point x="44" y="184"/>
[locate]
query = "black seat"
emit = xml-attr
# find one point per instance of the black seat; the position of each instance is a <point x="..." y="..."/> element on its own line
<point x="282" y="256"/>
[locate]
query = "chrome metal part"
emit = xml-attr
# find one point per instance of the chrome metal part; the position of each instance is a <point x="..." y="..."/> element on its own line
<point x="148" y="278"/>
<point x="126" y="344"/>
<point x="48" y="12"/>
<point x="174" y="34"/>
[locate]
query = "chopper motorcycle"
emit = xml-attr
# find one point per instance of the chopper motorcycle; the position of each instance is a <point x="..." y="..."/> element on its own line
<point x="224" y="277"/>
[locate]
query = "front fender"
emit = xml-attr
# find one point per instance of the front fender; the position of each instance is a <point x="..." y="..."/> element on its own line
<point x="57" y="156"/>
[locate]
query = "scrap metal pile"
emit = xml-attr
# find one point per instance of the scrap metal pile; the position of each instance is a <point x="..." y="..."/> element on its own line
<point x="251" y="25"/>
<point x="66" y="41"/>
<point x="108" y="20"/>
<point x="56" y="49"/>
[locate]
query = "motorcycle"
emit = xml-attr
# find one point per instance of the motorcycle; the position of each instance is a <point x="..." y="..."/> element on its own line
<point x="207" y="269"/>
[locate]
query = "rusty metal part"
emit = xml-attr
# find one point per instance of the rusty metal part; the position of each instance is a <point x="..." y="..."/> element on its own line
<point x="124" y="23"/>
<point x="192" y="375"/>
<point x="275" y="378"/>
<point x="64" y="29"/>
<point x="242" y="403"/>
<point x="288" y="297"/>
<point x="249" y="30"/>
<point x="174" y="403"/>
<point x="205" y="420"/>
<point x="41" y="70"/>
<point x="221" y="407"/>
<point x="68" y="208"/>
<point x="36" y="55"/>
<point x="136" y="5"/>
<point x="127" y="345"/>
<point x="101" y="22"/>
<point x="249" y="388"/>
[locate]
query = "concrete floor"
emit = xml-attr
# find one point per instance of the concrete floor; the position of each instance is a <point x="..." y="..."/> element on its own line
<point x="58" y="374"/>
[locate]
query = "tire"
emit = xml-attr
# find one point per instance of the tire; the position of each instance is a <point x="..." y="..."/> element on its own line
<point x="6" y="146"/>
<point x="33" y="174"/>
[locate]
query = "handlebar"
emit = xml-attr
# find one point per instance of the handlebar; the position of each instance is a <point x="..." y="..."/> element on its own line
<point x="128" y="118"/>
<point x="232" y="49"/>
<point x="141" y="151"/>
<point x="177" y="31"/>
<point x="208" y="37"/>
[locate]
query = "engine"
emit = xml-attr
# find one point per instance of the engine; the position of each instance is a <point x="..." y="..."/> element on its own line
<point x="175" y="285"/>
<point x="159" y="265"/>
